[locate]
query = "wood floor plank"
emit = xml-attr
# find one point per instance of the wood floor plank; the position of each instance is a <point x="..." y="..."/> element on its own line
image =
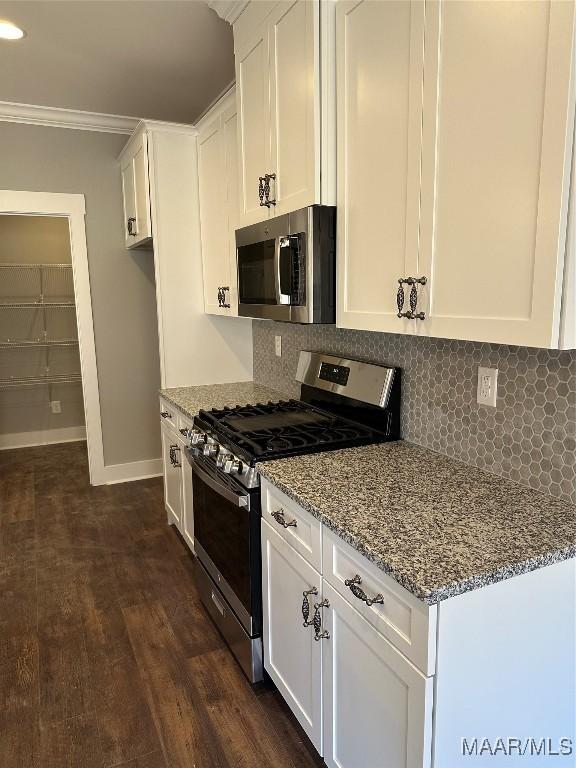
<point x="153" y="760"/>
<point x="194" y="631"/>
<point x="127" y="729"/>
<point x="17" y="494"/>
<point x="19" y="675"/>
<point x="18" y="600"/>
<point x="248" y="737"/>
<point x="71" y="743"/>
<point x="19" y="742"/>
<point x="186" y="734"/>
<point x="65" y="681"/>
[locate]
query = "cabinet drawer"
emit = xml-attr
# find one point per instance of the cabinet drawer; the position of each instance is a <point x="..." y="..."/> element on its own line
<point x="168" y="414"/>
<point x="406" y="621"/>
<point x="303" y="531"/>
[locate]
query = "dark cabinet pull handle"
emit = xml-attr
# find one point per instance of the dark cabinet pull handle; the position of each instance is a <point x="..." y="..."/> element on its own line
<point x="173" y="460"/>
<point x="413" y="282"/>
<point x="129" y="223"/>
<point x="267" y="179"/>
<point x="261" y="192"/>
<point x="220" y="297"/>
<point x="165" y="415"/>
<point x="278" y="515"/>
<point x="225" y="304"/>
<point x="317" y="621"/>
<point x="356" y="590"/>
<point x="306" y="605"/>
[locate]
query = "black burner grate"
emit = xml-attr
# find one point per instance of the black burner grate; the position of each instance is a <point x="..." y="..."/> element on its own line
<point x="275" y="430"/>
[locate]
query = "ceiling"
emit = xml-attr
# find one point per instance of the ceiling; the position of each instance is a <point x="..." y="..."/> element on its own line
<point x="160" y="59"/>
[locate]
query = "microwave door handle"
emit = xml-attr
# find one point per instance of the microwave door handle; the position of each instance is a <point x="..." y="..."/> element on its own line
<point x="234" y="498"/>
<point x="281" y="298"/>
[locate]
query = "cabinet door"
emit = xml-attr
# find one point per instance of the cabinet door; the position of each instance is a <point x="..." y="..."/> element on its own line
<point x="129" y="197"/>
<point x="496" y="142"/>
<point x="187" y="500"/>
<point x="295" y="104"/>
<point x="172" y="476"/>
<point x="379" y="53"/>
<point x="142" y="191"/>
<point x="213" y="214"/>
<point x="252" y="89"/>
<point x="230" y="132"/>
<point x="377" y="705"/>
<point x="292" y="657"/>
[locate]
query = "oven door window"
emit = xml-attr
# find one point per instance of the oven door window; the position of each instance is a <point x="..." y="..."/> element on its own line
<point x="256" y="273"/>
<point x="223" y="531"/>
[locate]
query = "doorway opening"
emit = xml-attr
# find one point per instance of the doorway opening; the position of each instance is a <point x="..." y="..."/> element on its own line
<point x="48" y="376"/>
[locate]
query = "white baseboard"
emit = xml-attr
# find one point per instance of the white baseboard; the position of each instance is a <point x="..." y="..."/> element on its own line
<point x="42" y="437"/>
<point x="135" y="470"/>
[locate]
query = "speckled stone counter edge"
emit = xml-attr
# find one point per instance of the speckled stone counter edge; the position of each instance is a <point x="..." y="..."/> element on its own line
<point x="429" y="597"/>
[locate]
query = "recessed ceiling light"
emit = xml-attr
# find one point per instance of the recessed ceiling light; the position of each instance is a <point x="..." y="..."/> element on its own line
<point x="9" y="31"/>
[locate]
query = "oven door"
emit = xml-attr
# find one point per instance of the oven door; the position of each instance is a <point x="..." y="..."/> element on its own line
<point x="227" y="539"/>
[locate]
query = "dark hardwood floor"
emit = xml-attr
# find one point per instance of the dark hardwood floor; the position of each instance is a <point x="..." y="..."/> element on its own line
<point x="106" y="655"/>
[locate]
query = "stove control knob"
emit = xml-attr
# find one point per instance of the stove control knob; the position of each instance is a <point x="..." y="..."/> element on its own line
<point x="210" y="449"/>
<point x="197" y="437"/>
<point x="233" y="465"/>
<point x="222" y="458"/>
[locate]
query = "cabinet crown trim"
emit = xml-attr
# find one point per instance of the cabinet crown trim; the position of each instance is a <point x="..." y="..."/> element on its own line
<point x="33" y="114"/>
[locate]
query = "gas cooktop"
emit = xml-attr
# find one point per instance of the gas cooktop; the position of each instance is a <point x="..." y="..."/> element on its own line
<point x="277" y="430"/>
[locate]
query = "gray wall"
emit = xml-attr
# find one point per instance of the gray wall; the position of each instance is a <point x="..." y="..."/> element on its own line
<point x="530" y="437"/>
<point x="40" y="159"/>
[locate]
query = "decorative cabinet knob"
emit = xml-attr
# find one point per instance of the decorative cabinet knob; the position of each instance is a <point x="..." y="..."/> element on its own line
<point x="306" y="605"/>
<point x="354" y="586"/>
<point x="413" y="282"/>
<point x="267" y="179"/>
<point x="317" y="621"/>
<point x="166" y="415"/>
<point x="278" y="515"/>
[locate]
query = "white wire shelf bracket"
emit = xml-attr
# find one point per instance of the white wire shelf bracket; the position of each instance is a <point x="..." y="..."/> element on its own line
<point x="35" y="266"/>
<point x="37" y="304"/>
<point x="26" y="344"/>
<point x="34" y="381"/>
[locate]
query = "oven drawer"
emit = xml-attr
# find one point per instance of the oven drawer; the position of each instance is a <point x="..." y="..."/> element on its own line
<point x="168" y="414"/>
<point x="408" y="623"/>
<point x="297" y="526"/>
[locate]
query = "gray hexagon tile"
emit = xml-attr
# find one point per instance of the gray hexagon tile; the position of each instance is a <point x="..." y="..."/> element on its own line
<point x="530" y="437"/>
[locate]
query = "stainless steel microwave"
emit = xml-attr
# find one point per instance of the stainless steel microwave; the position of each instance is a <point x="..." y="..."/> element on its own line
<point x="286" y="267"/>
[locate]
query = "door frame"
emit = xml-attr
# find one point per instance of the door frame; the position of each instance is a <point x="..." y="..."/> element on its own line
<point x="72" y="207"/>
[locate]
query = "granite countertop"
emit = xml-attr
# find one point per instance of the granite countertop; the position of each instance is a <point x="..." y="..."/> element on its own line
<point x="437" y="526"/>
<point x="190" y="400"/>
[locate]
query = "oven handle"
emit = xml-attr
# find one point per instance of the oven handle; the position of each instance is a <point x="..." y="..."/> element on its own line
<point x="234" y="498"/>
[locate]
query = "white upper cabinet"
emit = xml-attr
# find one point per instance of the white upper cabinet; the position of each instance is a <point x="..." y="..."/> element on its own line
<point x="280" y="93"/>
<point x="454" y="166"/>
<point x="218" y="180"/>
<point x="136" y="190"/>
<point x="380" y="49"/>
<point x="497" y="138"/>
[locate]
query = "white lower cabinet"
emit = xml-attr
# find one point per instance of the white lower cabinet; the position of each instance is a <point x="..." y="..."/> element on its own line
<point x="171" y="456"/>
<point x="377" y="705"/>
<point x="292" y="657"/>
<point x="361" y="701"/>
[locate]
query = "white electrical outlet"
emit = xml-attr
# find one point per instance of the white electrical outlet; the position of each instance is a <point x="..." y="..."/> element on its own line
<point x="487" y="386"/>
<point x="278" y="345"/>
<point x="56" y="406"/>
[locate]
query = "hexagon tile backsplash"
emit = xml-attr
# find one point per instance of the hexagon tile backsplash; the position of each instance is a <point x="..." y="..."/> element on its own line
<point x="530" y="437"/>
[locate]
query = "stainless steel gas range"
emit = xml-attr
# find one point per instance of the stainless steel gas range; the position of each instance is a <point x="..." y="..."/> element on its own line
<point x="343" y="403"/>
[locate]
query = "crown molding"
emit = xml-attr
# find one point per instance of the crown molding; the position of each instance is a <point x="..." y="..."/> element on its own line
<point x="229" y="10"/>
<point x="66" y="118"/>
